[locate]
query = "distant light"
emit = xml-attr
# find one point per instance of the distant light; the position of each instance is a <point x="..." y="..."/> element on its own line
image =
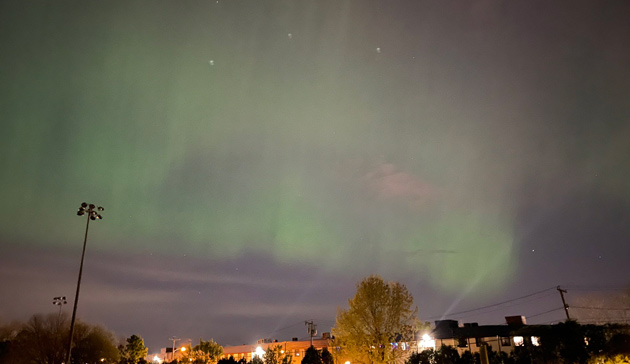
<point x="157" y="359"/>
<point x="259" y="352"/>
<point x="518" y="341"/>
<point x="348" y="362"/>
<point x="183" y="348"/>
<point x="427" y="342"/>
<point x="535" y="341"/>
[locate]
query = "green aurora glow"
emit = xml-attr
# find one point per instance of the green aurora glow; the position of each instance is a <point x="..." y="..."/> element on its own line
<point x="306" y="146"/>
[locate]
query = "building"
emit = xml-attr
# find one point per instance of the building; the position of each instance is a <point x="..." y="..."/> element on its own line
<point x="471" y="336"/>
<point x="295" y="347"/>
<point x="166" y="354"/>
<point x="463" y="337"/>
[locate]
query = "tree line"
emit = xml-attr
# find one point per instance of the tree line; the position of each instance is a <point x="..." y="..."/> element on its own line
<point x="379" y="314"/>
<point x="43" y="339"/>
<point x="275" y="355"/>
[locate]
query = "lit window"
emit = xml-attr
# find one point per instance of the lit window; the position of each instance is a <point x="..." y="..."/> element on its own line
<point x="535" y="341"/>
<point x="518" y="341"/>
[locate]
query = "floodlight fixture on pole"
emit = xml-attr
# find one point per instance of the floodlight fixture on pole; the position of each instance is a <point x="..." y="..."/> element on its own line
<point x="92" y="214"/>
<point x="59" y="301"/>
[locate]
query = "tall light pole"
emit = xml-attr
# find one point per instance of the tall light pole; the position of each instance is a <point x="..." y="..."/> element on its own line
<point x="59" y="301"/>
<point x="92" y="214"/>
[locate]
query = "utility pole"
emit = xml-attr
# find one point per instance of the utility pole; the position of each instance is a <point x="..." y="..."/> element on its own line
<point x="564" y="303"/>
<point x="174" y="339"/>
<point x="311" y="329"/>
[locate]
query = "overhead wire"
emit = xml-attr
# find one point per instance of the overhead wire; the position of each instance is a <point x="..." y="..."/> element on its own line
<point x="549" y="311"/>
<point x="602" y="308"/>
<point x="496" y="304"/>
<point x="599" y="288"/>
<point x="504" y="307"/>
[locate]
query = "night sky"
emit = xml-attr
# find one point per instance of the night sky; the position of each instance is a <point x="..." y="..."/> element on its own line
<point x="256" y="159"/>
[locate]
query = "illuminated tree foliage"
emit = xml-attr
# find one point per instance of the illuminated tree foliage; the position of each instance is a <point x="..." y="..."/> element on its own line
<point x="256" y="360"/>
<point x="134" y="352"/>
<point x="378" y="315"/>
<point x="275" y="355"/>
<point x="204" y="353"/>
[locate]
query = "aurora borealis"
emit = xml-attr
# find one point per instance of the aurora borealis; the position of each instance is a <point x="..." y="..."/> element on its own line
<point x="257" y="158"/>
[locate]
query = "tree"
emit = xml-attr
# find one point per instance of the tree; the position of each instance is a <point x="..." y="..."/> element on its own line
<point x="93" y="343"/>
<point x="379" y="314"/>
<point x="327" y="357"/>
<point x="256" y="360"/>
<point x="229" y="360"/>
<point x="446" y="355"/>
<point x="275" y="355"/>
<point x="204" y="353"/>
<point x="311" y="356"/>
<point x="8" y="332"/>
<point x="134" y="352"/>
<point x="43" y="340"/>
<point x="423" y="357"/>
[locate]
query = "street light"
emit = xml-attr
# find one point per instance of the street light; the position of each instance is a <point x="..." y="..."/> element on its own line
<point x="92" y="214"/>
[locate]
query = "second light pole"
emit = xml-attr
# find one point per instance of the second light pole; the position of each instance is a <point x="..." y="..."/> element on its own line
<point x="92" y="214"/>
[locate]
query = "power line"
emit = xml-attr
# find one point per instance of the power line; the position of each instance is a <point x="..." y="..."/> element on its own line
<point x="608" y="321"/>
<point x="542" y="313"/>
<point x="502" y="308"/>
<point x="601" y="308"/>
<point x="496" y="304"/>
<point x="597" y="288"/>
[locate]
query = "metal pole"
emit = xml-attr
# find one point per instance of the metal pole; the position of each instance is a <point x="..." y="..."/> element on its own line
<point x="59" y="315"/>
<point x="76" y="296"/>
